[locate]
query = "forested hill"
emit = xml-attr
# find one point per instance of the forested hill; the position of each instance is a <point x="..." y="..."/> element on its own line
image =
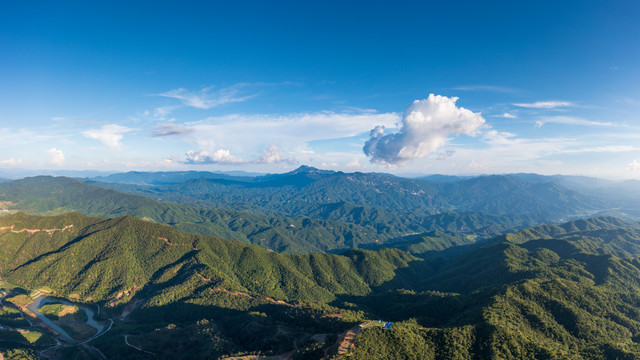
<point x="603" y="235"/>
<point x="323" y="227"/>
<point x="202" y="294"/>
<point x="47" y="195"/>
<point x="531" y="295"/>
<point x="521" y="296"/>
<point x="98" y="258"/>
<point x="300" y="190"/>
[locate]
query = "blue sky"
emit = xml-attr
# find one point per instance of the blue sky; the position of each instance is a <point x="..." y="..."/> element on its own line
<point x="551" y="87"/>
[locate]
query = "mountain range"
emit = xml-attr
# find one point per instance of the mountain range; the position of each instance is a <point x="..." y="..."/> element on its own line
<point x="302" y="265"/>
<point x="545" y="292"/>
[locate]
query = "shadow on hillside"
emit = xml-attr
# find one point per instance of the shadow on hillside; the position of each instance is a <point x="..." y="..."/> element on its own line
<point x="61" y="249"/>
<point x="430" y="308"/>
<point x="404" y="243"/>
<point x="416" y="291"/>
<point x="446" y="288"/>
<point x="184" y="260"/>
<point x="185" y="329"/>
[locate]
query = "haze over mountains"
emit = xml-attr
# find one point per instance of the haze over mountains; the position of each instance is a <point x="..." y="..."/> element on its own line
<point x="452" y="191"/>
<point x="320" y="180"/>
<point x="310" y="210"/>
<point x="199" y="264"/>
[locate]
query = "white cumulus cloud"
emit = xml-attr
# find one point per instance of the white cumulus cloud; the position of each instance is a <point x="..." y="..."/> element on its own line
<point x="271" y="155"/>
<point x="634" y="165"/>
<point x="57" y="156"/>
<point x="220" y="156"/>
<point x="354" y="164"/>
<point x="110" y="135"/>
<point x="425" y="126"/>
<point x="11" y="162"/>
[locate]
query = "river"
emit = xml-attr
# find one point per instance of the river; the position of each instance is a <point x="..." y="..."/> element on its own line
<point x="39" y="301"/>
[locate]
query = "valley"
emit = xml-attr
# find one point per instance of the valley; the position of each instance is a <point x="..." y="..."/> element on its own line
<point x="101" y="273"/>
<point x="320" y="180"/>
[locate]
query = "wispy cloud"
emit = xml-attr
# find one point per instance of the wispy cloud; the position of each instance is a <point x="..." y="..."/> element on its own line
<point x="170" y="130"/>
<point x="507" y="116"/>
<point x="210" y="97"/>
<point x="601" y="149"/>
<point x="545" y="104"/>
<point x="168" y="162"/>
<point x="253" y="133"/>
<point x="9" y="136"/>
<point x="495" y="137"/>
<point x="555" y="145"/>
<point x="491" y="88"/>
<point x="162" y="113"/>
<point x="628" y="101"/>
<point x="110" y="135"/>
<point x="568" y="120"/>
<point x="447" y="153"/>
<point x="505" y="152"/>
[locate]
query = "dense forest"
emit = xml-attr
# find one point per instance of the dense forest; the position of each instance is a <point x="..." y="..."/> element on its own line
<point x="317" y="264"/>
<point x="568" y="291"/>
<point x="323" y="227"/>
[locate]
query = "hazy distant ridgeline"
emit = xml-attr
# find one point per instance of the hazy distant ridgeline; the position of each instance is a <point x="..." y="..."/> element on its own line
<point x="527" y="198"/>
<point x="302" y="189"/>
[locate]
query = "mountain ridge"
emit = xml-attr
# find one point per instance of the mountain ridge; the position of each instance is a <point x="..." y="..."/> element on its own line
<point x="322" y="227"/>
<point x="551" y="298"/>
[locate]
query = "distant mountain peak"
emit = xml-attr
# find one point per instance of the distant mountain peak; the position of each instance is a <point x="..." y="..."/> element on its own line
<point x="308" y="172"/>
<point x="305" y="169"/>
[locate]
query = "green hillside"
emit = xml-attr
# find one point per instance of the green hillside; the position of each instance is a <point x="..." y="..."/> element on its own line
<point x="178" y="278"/>
<point x="521" y="299"/>
<point x="97" y="258"/>
<point x="518" y="296"/>
<point x="50" y="196"/>
<point x="604" y="235"/>
<point x="302" y="190"/>
<point x="330" y="227"/>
